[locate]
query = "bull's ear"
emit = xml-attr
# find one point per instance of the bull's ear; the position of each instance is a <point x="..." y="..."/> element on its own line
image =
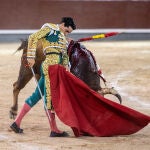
<point x="72" y="41"/>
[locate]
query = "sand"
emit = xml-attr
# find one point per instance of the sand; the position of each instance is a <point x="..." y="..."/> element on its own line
<point x="126" y="66"/>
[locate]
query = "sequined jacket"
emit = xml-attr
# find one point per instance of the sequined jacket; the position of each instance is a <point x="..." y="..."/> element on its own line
<point x="53" y="40"/>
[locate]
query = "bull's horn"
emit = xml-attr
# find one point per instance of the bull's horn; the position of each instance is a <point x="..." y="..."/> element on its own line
<point x="112" y="91"/>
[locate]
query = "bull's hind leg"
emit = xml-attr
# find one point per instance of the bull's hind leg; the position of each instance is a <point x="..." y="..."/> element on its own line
<point x="23" y="79"/>
<point x="14" y="108"/>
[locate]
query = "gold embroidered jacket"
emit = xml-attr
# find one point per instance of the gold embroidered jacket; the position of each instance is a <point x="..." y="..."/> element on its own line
<point x="53" y="40"/>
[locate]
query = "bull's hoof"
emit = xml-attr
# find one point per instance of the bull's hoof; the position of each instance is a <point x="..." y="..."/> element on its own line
<point x="12" y="114"/>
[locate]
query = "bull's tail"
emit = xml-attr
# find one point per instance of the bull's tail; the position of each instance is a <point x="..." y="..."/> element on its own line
<point x="23" y="46"/>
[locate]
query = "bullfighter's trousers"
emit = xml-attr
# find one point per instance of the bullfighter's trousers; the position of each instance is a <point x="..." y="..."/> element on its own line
<point x="44" y="82"/>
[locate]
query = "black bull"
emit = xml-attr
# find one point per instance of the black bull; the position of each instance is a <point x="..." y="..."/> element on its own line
<point x="83" y="65"/>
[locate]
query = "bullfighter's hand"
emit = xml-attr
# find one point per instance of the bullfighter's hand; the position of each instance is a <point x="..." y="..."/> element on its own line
<point x="31" y="62"/>
<point x="67" y="68"/>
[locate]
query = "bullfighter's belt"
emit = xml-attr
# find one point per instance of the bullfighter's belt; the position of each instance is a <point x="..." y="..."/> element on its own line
<point x="49" y="53"/>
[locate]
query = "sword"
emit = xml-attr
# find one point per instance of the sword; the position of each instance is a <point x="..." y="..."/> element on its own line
<point x="40" y="93"/>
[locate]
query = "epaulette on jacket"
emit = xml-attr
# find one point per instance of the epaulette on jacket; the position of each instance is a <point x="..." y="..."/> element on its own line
<point x="52" y="26"/>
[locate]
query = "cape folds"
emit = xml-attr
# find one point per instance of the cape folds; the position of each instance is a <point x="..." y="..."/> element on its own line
<point x="87" y="112"/>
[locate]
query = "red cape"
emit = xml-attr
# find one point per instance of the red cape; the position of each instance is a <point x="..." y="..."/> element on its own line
<point x="87" y="112"/>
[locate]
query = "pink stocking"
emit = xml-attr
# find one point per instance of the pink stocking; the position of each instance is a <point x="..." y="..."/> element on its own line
<point x="22" y="113"/>
<point x="52" y="122"/>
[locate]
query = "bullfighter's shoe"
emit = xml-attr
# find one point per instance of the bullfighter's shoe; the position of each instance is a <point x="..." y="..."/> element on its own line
<point x="55" y="134"/>
<point x="15" y="128"/>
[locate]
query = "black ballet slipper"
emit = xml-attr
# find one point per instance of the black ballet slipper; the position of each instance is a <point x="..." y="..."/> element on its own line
<point x="15" y="128"/>
<point x="55" y="134"/>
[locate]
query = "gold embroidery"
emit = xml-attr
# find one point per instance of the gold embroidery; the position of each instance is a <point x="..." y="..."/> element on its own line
<point x="33" y="39"/>
<point x="50" y="60"/>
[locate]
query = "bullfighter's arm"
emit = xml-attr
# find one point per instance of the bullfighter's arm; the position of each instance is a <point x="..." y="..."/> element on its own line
<point x="65" y="59"/>
<point x="33" y="39"/>
<point x="65" y="55"/>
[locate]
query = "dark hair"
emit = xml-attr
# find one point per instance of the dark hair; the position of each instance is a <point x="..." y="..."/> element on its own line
<point x="68" y="22"/>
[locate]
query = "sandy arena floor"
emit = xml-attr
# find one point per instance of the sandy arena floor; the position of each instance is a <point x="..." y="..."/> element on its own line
<point x="126" y="66"/>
